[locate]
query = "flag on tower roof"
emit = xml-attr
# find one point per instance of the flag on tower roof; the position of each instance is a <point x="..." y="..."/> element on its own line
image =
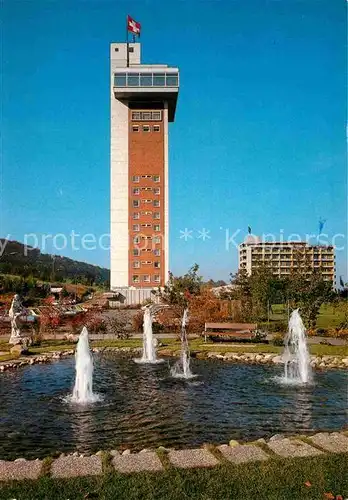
<point x="133" y="26"/>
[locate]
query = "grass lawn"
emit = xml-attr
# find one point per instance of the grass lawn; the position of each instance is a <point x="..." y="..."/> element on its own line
<point x="195" y="345"/>
<point x="275" y="479"/>
<point x="329" y="315"/>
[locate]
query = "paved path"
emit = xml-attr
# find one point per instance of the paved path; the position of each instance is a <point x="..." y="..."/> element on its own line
<point x="152" y="461"/>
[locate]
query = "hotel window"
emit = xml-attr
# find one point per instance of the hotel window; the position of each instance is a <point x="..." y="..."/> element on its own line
<point x="159" y="80"/>
<point x="136" y="240"/>
<point x="136" y="215"/>
<point x="133" y="80"/>
<point x="156" y="203"/>
<point x="136" y="227"/>
<point x="135" y="178"/>
<point x="156" y="115"/>
<point x="156" y="190"/>
<point x="147" y="201"/>
<point x="135" y="278"/>
<point x="157" y="252"/>
<point x="136" y="190"/>
<point x="136" y="115"/>
<point x="146" y="176"/>
<point x="146" y="278"/>
<point x="156" y="128"/>
<point x="120" y="80"/>
<point x="157" y="264"/>
<point x="156" y="215"/>
<point x="146" y="250"/>
<point x="146" y="189"/>
<point x="136" y="203"/>
<point x="136" y="252"/>
<point x="156" y="278"/>
<point x="146" y="262"/>
<point x="146" y="115"/>
<point x="135" y="128"/>
<point x="157" y="239"/>
<point x="146" y="128"/>
<point x="156" y="178"/>
<point x="157" y="227"/>
<point x="146" y="225"/>
<point x="136" y="264"/>
<point x="149" y="212"/>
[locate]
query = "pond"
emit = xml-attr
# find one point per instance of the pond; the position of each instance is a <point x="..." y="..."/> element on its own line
<point x="143" y="407"/>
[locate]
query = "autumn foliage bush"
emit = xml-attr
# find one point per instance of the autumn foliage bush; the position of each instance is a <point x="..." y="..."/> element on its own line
<point x="203" y="308"/>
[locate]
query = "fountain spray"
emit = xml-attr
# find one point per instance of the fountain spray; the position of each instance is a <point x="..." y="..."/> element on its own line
<point x="297" y="368"/>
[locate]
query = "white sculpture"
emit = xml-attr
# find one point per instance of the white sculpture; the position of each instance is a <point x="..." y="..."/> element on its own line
<point x="15" y="312"/>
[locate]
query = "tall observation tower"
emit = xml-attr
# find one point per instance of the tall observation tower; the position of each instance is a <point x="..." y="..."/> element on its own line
<point x="143" y="100"/>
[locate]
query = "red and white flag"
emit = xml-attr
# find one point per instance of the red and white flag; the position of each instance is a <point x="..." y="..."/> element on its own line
<point x="133" y="26"/>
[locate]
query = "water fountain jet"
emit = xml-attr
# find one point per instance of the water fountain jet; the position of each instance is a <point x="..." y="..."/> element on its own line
<point x="181" y="369"/>
<point x="82" y="392"/>
<point x="297" y="368"/>
<point x="149" y="354"/>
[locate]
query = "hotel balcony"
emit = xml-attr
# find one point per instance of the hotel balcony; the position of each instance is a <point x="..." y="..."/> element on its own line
<point x="140" y="85"/>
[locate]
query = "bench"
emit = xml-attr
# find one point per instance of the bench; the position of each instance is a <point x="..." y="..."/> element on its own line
<point x="242" y="331"/>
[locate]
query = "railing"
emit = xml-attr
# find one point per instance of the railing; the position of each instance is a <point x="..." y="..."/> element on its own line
<point x="146" y="80"/>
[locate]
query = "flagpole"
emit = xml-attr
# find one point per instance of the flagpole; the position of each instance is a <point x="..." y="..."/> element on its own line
<point x="127" y="42"/>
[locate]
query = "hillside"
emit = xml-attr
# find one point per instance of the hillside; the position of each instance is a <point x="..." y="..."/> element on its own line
<point x="25" y="261"/>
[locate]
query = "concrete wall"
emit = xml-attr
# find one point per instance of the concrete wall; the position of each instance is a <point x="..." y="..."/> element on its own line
<point x="119" y="194"/>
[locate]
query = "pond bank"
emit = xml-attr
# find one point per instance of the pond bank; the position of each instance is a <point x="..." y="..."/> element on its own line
<point x="318" y="362"/>
<point x="161" y="459"/>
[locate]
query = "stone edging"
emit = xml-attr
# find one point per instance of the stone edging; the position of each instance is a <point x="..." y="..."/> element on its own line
<point x="75" y="464"/>
<point x="320" y="362"/>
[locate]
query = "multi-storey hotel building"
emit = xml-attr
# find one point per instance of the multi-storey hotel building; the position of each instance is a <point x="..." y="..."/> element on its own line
<point x="283" y="257"/>
<point x="143" y="101"/>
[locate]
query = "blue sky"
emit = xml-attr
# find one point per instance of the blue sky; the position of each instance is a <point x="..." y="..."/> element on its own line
<point x="259" y="135"/>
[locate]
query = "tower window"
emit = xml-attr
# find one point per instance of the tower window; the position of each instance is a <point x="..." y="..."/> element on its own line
<point x="135" y="128"/>
<point x="136" y="240"/>
<point x="116" y="49"/>
<point x="156" y="215"/>
<point x="136" y="264"/>
<point x="131" y="49"/>
<point x="135" y="278"/>
<point x="157" y="239"/>
<point x="156" y="227"/>
<point x="156" y="178"/>
<point x="146" y="128"/>
<point x="146" y="278"/>
<point x="156" y="203"/>
<point x="157" y="252"/>
<point x="156" y="278"/>
<point x="156" y="128"/>
<point x="136" y="252"/>
<point x="136" y="227"/>
<point x="136" y="191"/>
<point x="156" y="190"/>
<point x="135" y="178"/>
<point x="157" y="264"/>
<point x="136" y="215"/>
<point x="136" y="203"/>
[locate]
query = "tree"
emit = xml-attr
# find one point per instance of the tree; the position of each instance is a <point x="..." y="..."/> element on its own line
<point x="309" y="294"/>
<point x="180" y="289"/>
